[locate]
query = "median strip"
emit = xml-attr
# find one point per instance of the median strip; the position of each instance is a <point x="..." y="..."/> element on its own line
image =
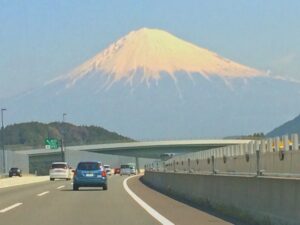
<point x="163" y="220"/>
<point x="43" y="193"/>
<point x="10" y="207"/>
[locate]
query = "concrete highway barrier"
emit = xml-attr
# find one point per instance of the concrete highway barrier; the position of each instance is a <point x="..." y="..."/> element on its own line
<point x="16" y="181"/>
<point x="257" y="200"/>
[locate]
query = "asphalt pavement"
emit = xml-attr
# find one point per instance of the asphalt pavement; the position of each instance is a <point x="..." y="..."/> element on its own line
<point x="48" y="203"/>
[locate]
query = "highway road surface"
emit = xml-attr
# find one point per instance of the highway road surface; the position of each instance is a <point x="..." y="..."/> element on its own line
<point x="49" y="203"/>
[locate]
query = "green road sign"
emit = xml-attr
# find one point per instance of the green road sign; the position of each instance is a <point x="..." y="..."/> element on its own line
<point x="51" y="143"/>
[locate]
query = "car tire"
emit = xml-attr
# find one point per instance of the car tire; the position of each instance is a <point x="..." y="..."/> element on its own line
<point x="105" y="187"/>
<point x="75" y="188"/>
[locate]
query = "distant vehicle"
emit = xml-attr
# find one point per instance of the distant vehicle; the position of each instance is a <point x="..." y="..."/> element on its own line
<point x="60" y="170"/>
<point x="14" y="171"/>
<point x="128" y="169"/>
<point x="117" y="170"/>
<point x="125" y="170"/>
<point x="132" y="168"/>
<point x="107" y="169"/>
<point x="89" y="174"/>
<point x="166" y="156"/>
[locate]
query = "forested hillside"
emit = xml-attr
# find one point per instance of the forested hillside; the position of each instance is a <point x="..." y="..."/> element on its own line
<point x="35" y="133"/>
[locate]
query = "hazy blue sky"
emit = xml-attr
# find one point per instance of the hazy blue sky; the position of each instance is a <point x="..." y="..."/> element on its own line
<point x="40" y="39"/>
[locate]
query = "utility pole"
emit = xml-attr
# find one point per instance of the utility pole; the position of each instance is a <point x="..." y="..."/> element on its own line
<point x="2" y="139"/>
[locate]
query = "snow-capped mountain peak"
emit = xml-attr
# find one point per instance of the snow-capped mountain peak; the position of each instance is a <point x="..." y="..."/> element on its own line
<point x="150" y="52"/>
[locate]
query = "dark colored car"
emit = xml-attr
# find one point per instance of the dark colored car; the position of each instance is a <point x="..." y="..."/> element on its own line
<point x="15" y="172"/>
<point x="89" y="174"/>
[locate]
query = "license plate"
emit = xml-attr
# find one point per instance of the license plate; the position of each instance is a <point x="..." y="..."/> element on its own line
<point x="89" y="175"/>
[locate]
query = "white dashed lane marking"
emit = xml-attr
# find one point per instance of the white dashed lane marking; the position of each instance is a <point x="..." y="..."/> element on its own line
<point x="60" y="187"/>
<point x="43" y="193"/>
<point x="10" y="207"/>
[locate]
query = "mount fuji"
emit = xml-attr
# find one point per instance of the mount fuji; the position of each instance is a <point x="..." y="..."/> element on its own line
<point x="150" y="84"/>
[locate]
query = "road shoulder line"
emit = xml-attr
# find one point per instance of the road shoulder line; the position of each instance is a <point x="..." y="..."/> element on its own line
<point x="163" y="220"/>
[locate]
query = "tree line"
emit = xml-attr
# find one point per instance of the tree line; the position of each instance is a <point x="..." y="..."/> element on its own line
<point x="34" y="134"/>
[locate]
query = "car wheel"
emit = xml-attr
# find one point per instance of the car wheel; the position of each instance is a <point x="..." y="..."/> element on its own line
<point x="105" y="187"/>
<point x="75" y="188"/>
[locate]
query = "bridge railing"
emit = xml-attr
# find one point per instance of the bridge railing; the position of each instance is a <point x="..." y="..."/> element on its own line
<point x="278" y="156"/>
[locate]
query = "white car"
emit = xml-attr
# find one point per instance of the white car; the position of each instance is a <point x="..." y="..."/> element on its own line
<point x="60" y="170"/>
<point x="132" y="170"/>
<point x="107" y="169"/>
<point x="125" y="170"/>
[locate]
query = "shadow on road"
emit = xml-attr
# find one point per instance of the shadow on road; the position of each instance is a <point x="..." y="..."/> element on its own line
<point x="85" y="189"/>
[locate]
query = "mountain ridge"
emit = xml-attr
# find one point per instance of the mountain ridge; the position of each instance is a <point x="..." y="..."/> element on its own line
<point x="289" y="127"/>
<point x="34" y="134"/>
<point x="150" y="52"/>
<point x="191" y="106"/>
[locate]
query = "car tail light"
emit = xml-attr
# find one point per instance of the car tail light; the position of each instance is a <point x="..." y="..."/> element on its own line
<point x="75" y="172"/>
<point x="103" y="173"/>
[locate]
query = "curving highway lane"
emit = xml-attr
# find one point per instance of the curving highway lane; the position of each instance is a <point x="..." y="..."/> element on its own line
<point x="49" y="203"/>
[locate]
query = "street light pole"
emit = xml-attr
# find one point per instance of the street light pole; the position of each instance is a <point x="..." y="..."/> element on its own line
<point x="2" y="139"/>
<point x="63" y="138"/>
<point x="64" y="116"/>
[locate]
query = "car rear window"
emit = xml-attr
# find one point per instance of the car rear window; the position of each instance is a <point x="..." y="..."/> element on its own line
<point x="88" y="166"/>
<point x="124" y="166"/>
<point x="59" y="166"/>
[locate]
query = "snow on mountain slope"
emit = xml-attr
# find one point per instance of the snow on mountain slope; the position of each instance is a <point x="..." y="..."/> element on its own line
<point x="193" y="92"/>
<point x="150" y="52"/>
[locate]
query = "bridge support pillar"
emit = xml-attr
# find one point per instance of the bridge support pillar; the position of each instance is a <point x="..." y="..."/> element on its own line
<point x="295" y="142"/>
<point x="137" y="164"/>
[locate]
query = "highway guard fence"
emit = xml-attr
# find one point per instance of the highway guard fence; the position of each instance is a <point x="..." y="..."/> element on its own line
<point x="278" y="156"/>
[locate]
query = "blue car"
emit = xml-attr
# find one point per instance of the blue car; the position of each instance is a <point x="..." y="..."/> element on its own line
<point x="89" y="174"/>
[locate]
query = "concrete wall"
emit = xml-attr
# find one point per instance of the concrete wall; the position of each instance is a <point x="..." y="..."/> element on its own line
<point x="258" y="200"/>
<point x="13" y="159"/>
<point x="41" y="164"/>
<point x="270" y="164"/>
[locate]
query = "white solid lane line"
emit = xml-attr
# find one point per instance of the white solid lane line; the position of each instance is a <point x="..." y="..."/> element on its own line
<point x="163" y="220"/>
<point x="11" y="207"/>
<point x="60" y="187"/>
<point x="43" y="193"/>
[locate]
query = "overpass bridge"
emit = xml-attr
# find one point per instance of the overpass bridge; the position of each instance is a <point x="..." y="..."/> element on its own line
<point x="149" y="149"/>
<point x="155" y="149"/>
